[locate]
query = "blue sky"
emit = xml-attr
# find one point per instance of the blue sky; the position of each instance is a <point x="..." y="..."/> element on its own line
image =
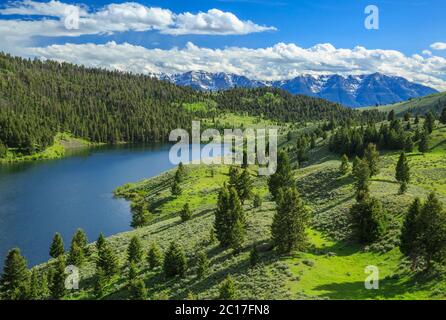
<point x="258" y="38"/>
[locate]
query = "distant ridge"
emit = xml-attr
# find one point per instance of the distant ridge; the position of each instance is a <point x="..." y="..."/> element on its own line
<point x="352" y="91"/>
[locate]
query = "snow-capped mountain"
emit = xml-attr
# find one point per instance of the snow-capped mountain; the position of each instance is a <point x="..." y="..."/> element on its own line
<point x="352" y="91"/>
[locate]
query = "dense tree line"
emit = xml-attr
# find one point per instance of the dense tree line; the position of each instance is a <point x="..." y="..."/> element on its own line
<point x="39" y="99"/>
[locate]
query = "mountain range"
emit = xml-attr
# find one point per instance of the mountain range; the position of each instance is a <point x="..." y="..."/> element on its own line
<point x="351" y="91"/>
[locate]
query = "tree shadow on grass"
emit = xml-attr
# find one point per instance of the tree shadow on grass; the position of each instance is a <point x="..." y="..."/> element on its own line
<point x="389" y="288"/>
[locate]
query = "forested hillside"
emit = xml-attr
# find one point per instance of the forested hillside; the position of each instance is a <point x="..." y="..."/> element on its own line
<point x="39" y="99"/>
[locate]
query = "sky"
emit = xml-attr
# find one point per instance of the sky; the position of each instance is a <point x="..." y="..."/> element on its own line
<point x="265" y="40"/>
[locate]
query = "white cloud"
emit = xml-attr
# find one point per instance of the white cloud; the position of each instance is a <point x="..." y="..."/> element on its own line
<point x="438" y="46"/>
<point x="427" y="52"/>
<point x="128" y="16"/>
<point x="213" y="22"/>
<point x="281" y="61"/>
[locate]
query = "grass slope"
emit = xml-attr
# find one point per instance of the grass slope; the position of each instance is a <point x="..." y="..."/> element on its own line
<point x="331" y="268"/>
<point x="434" y="102"/>
<point x="62" y="143"/>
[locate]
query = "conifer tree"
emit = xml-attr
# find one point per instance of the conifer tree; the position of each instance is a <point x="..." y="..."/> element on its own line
<point x="402" y="172"/>
<point x="100" y="242"/>
<point x="254" y="256"/>
<point x="417" y="119"/>
<point x="290" y="221"/>
<point x="429" y="123"/>
<point x="57" y="286"/>
<point x="432" y="221"/>
<point x="202" y="264"/>
<point x="3" y="149"/>
<point x="391" y="115"/>
<point x="283" y="177"/>
<point x="407" y="116"/>
<point x="34" y="286"/>
<point x="134" y="251"/>
<point x="343" y="169"/>
<point x="410" y="237"/>
<point x="244" y="189"/>
<point x="371" y="155"/>
<point x="423" y="145"/>
<point x="176" y="188"/>
<point x="362" y="176"/>
<point x="137" y="290"/>
<point x="227" y="289"/>
<point x="185" y="213"/>
<point x="181" y="171"/>
<point x="107" y="260"/>
<point x="100" y="283"/>
<point x="443" y="116"/>
<point x="368" y="219"/>
<point x="141" y="214"/>
<point x="80" y="238"/>
<point x="154" y="257"/>
<point x="76" y="255"/>
<point x="229" y="218"/>
<point x="132" y="272"/>
<point x="14" y="283"/>
<point x="408" y="144"/>
<point x="57" y="246"/>
<point x="175" y="261"/>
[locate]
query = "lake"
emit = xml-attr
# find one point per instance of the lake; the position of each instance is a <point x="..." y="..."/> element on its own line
<point x="40" y="198"/>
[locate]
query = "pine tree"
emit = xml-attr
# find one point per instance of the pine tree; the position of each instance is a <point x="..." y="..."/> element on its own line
<point x="244" y="189"/>
<point x="432" y="222"/>
<point x="229" y="219"/>
<point x="410" y="233"/>
<point x="132" y="272"/>
<point x="391" y="115"/>
<point x="57" y="286"/>
<point x="34" y="286"/>
<point x="227" y="289"/>
<point x="176" y="189"/>
<point x="80" y="238"/>
<point x="408" y="144"/>
<point x="361" y="173"/>
<point x="429" y="123"/>
<point x="443" y="116"/>
<point x="100" y="242"/>
<point x="254" y="256"/>
<point x="402" y="174"/>
<point x="3" y="149"/>
<point x="343" y="169"/>
<point x="368" y="219"/>
<point x="423" y="145"/>
<point x="290" y="221"/>
<point x="154" y="257"/>
<point x="141" y="214"/>
<point x="185" y="213"/>
<point x="76" y="255"/>
<point x="100" y="283"/>
<point x="137" y="290"/>
<point x="417" y="119"/>
<point x="181" y="172"/>
<point x="202" y="264"/>
<point x="175" y="261"/>
<point x="134" y="251"/>
<point x="371" y="155"/>
<point x="107" y="260"/>
<point x="283" y="177"/>
<point x="14" y="280"/>
<point x="407" y="116"/>
<point x="57" y="246"/>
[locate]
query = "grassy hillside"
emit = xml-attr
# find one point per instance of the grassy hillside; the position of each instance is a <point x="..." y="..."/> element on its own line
<point x="332" y="267"/>
<point x="435" y="103"/>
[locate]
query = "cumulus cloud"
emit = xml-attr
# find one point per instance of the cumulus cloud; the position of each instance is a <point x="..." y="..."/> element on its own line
<point x="281" y="61"/>
<point x="124" y="17"/>
<point x="438" y="46"/>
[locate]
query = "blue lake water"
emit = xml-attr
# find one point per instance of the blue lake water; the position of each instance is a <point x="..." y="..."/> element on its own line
<point x="40" y="198"/>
